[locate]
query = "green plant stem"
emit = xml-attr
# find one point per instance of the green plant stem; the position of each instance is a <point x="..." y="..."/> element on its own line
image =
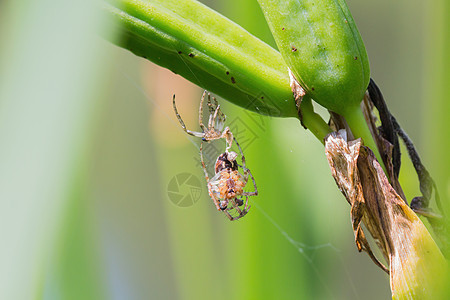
<point x="313" y="121"/>
<point x="360" y="129"/>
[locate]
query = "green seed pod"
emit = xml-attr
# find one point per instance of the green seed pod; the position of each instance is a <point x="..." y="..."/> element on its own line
<point x="206" y="48"/>
<point x="320" y="43"/>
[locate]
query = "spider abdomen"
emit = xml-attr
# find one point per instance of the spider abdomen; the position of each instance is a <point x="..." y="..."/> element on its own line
<point x="230" y="184"/>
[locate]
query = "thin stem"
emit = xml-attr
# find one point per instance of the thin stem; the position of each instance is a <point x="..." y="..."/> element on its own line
<point x="313" y="121"/>
<point x="360" y="129"/>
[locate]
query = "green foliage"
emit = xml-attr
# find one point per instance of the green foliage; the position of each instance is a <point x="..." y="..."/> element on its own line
<point x="51" y="66"/>
<point x="55" y="213"/>
<point x="437" y="104"/>
<point x="208" y="49"/>
<point x="320" y="43"/>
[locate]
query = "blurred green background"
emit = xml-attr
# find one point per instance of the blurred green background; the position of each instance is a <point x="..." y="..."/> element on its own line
<point x="90" y="145"/>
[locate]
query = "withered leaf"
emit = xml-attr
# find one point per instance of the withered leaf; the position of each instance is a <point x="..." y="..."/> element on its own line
<point x="400" y="235"/>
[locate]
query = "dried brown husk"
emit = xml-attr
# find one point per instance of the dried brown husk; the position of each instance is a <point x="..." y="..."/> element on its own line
<point x="416" y="265"/>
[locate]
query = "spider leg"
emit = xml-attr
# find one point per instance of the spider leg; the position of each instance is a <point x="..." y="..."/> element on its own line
<point x="200" y="113"/>
<point x="236" y="207"/>
<point x="193" y="133"/>
<point x="242" y="153"/>
<point x="211" y="194"/>
<point x="216" y="103"/>
<point x="216" y="121"/>
<point x="246" y="207"/>
<point x="213" y="121"/>
<point x="247" y="173"/>
<point x="212" y="108"/>
<point x="213" y="133"/>
<point x="203" y="162"/>
<point x="213" y="197"/>
<point x="241" y="212"/>
<point x="218" y="125"/>
<point x="228" y="215"/>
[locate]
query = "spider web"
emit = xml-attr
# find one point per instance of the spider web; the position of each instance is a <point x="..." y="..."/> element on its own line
<point x="302" y="248"/>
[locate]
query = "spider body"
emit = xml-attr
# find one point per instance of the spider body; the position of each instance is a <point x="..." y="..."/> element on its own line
<point x="228" y="182"/>
<point x="226" y="187"/>
<point x="226" y="160"/>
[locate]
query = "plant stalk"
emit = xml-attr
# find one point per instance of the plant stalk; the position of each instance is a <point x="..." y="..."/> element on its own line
<point x="313" y="121"/>
<point x="360" y="129"/>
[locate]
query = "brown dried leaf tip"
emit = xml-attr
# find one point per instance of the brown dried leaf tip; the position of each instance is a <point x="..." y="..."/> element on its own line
<point x="298" y="92"/>
<point x="405" y="243"/>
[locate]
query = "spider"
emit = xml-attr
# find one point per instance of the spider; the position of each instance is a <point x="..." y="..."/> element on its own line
<point x="226" y="187"/>
<point x="216" y="122"/>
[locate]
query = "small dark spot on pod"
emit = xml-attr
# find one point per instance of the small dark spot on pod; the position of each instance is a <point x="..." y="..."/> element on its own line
<point x="356" y="57"/>
<point x="312" y="89"/>
<point x="191" y="55"/>
<point x="262" y="97"/>
<point x="179" y="52"/>
<point x="293" y="49"/>
<point x="282" y="28"/>
<point x="233" y="80"/>
<point x="228" y="73"/>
